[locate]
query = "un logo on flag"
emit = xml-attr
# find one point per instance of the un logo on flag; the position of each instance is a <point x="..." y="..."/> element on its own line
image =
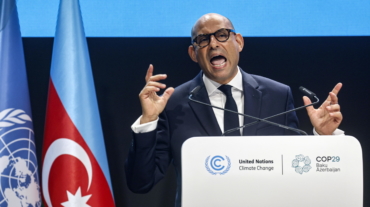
<point x="19" y="182"/>
<point x="218" y="164"/>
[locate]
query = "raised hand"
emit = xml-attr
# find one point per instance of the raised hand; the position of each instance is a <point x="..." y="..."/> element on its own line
<point x="152" y="104"/>
<point x="327" y="117"/>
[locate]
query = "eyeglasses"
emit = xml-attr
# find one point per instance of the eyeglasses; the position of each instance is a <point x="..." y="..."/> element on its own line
<point x="221" y="35"/>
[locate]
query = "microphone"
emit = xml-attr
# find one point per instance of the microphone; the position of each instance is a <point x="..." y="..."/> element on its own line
<point x="197" y="88"/>
<point x="303" y="90"/>
<point x="307" y="92"/>
<point x="194" y="91"/>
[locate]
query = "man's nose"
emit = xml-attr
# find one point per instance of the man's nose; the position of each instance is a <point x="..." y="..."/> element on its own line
<point x="213" y="42"/>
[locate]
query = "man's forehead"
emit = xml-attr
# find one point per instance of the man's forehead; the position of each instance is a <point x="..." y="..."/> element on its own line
<point x="209" y="22"/>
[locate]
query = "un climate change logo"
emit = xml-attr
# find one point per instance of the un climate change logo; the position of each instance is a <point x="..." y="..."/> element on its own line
<point x="301" y="164"/>
<point x="218" y="164"/>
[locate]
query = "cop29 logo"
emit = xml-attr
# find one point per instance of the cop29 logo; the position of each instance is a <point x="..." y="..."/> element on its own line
<point x="218" y="164"/>
<point x="302" y="164"/>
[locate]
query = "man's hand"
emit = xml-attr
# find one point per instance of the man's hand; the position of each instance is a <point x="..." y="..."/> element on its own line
<point x="327" y="117"/>
<point x="152" y="104"/>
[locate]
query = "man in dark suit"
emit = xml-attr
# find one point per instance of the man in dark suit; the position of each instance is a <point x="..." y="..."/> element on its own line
<point x="167" y="122"/>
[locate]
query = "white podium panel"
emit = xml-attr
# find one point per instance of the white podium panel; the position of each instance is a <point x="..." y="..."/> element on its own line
<point x="302" y="171"/>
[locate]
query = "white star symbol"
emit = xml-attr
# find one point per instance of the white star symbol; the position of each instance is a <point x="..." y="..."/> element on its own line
<point x="76" y="200"/>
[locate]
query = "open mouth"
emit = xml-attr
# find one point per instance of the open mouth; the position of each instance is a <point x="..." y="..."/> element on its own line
<point x="218" y="61"/>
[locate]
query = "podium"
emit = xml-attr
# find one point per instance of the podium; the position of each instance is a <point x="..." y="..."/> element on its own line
<point x="284" y="171"/>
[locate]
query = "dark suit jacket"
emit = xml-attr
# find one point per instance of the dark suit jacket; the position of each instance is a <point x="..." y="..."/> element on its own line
<point x="152" y="152"/>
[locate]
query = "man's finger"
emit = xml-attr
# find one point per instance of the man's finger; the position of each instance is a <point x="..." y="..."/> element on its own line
<point x="148" y="90"/>
<point x="333" y="98"/>
<point x="157" y="77"/>
<point x="333" y="108"/>
<point x="325" y="104"/>
<point x="335" y="90"/>
<point x="308" y="101"/>
<point x="156" y="84"/>
<point x="149" y="72"/>
<point x="167" y="93"/>
<point x="337" y="116"/>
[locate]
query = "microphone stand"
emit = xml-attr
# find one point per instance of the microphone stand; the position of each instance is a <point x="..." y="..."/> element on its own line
<point x="196" y="89"/>
<point x="282" y="113"/>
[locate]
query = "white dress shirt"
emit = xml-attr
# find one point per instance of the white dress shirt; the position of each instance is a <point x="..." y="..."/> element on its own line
<point x="218" y="98"/>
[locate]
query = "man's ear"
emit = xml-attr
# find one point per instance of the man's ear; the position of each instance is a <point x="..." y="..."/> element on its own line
<point x="192" y="54"/>
<point x="240" y="40"/>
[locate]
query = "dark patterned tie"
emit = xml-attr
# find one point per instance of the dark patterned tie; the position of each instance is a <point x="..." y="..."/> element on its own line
<point x="231" y="120"/>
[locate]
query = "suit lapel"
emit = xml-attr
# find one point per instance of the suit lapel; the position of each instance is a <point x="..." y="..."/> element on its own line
<point x="252" y="102"/>
<point x="204" y="114"/>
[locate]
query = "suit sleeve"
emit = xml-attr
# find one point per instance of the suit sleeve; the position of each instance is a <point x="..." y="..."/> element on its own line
<point x="149" y="157"/>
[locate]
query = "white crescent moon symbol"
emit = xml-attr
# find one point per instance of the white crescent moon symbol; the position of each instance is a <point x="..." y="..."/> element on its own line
<point x="63" y="146"/>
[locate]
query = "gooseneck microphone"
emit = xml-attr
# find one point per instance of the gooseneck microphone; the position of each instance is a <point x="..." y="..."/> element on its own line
<point x="302" y="89"/>
<point x="307" y="92"/>
<point x="196" y="89"/>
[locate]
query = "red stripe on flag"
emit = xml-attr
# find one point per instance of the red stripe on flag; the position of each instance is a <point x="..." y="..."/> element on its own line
<point x="67" y="172"/>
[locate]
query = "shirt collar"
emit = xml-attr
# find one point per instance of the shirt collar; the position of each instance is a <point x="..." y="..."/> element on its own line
<point x="211" y="86"/>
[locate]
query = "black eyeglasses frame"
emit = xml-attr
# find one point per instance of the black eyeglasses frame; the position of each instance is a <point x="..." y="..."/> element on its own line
<point x="194" y="41"/>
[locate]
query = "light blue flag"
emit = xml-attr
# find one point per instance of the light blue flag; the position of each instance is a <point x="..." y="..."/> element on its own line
<point x="19" y="181"/>
<point x="73" y="125"/>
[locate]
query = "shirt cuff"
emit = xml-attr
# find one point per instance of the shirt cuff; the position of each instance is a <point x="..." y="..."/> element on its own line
<point x="143" y="128"/>
<point x="337" y="132"/>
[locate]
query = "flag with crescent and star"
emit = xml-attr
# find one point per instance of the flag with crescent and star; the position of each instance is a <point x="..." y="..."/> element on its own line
<point x="74" y="164"/>
<point x="19" y="179"/>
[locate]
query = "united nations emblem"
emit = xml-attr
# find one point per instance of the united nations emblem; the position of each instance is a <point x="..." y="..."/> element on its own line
<point x="19" y="182"/>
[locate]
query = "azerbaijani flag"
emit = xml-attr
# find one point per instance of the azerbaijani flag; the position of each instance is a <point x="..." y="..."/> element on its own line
<point x="19" y="181"/>
<point x="75" y="169"/>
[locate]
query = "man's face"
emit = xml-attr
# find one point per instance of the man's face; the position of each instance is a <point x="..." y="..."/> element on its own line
<point x="218" y="60"/>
